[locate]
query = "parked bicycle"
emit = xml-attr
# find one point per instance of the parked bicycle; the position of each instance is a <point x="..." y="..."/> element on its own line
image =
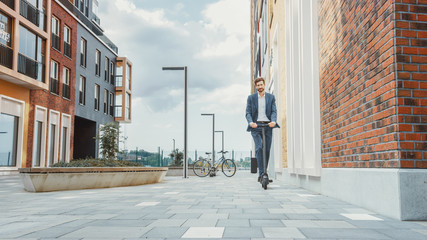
<point x="203" y="167"/>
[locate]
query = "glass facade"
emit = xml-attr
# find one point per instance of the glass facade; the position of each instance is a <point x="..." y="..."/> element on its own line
<point x="6" y="52"/>
<point x="31" y="54"/>
<point x="9" y="140"/>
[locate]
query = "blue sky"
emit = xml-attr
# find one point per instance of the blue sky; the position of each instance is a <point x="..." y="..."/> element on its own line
<point x="211" y="38"/>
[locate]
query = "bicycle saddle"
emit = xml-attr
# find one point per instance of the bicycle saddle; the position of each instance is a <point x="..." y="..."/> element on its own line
<point x="207" y="153"/>
<point x="223" y="152"/>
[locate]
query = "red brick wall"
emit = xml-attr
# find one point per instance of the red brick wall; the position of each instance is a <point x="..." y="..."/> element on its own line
<point x="373" y="83"/>
<point x="46" y="98"/>
<point x="411" y="49"/>
<point x="357" y="84"/>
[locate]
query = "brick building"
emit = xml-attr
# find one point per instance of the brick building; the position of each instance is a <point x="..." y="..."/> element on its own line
<point x="46" y="48"/>
<point x="355" y="98"/>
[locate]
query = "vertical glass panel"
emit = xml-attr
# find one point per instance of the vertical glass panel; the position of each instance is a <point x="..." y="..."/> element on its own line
<point x="27" y="42"/>
<point x="64" y="144"/>
<point x="8" y="140"/>
<point x="127" y="76"/>
<point x="52" y="144"/>
<point x="5" y="30"/>
<point x="37" y="152"/>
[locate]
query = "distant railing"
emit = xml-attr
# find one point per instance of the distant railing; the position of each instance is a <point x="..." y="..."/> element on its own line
<point x="55" y="41"/>
<point x="54" y="85"/>
<point x="30" y="12"/>
<point x="96" y="19"/>
<point x="9" y="3"/>
<point x="28" y="66"/>
<point x="6" y="56"/>
<point x="67" y="49"/>
<point x="66" y="90"/>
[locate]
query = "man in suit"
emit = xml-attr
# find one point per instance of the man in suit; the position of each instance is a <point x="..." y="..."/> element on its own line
<point x="261" y="108"/>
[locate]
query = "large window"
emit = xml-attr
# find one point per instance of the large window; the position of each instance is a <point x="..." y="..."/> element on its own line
<point x="54" y="83"/>
<point x="128" y="73"/>
<point x="119" y="106"/>
<point x="97" y="63"/>
<point x="55" y="33"/>
<point x="82" y="90"/>
<point x="127" y="111"/>
<point x="6" y="52"/>
<point x="67" y="41"/>
<point x="106" y="101"/>
<point x="9" y="140"/>
<point x="83" y="51"/>
<point x="111" y="104"/>
<point x="54" y="129"/>
<point x="39" y="142"/>
<point x="33" y="11"/>
<point x="106" y="72"/>
<point x="97" y="97"/>
<point x="31" y="54"/>
<point x="65" y="138"/>
<point x="66" y="83"/>
<point x="112" y="72"/>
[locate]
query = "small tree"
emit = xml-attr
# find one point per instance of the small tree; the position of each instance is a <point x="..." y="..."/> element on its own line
<point x="108" y="140"/>
<point x="177" y="157"/>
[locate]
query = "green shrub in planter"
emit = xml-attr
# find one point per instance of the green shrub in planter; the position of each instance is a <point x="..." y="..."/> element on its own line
<point x="92" y="162"/>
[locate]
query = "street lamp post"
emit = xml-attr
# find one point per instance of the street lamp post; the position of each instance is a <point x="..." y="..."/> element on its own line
<point x="185" y="114"/>
<point x="222" y="134"/>
<point x="213" y="135"/>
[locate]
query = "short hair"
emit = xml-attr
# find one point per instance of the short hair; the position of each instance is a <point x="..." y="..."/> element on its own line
<point x="259" y="80"/>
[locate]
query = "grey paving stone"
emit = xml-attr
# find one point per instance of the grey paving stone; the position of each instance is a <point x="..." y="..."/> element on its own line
<point x="165" y="232"/>
<point x="266" y="223"/>
<point x="243" y="232"/>
<point x="107" y="232"/>
<point x="342" y="233"/>
<point x="403" y="234"/>
<point x="233" y="223"/>
<point x="282" y="232"/>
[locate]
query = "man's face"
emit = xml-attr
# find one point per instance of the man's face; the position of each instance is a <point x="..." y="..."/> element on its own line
<point x="260" y="86"/>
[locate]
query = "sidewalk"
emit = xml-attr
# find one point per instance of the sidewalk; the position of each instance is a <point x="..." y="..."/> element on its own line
<point x="219" y="207"/>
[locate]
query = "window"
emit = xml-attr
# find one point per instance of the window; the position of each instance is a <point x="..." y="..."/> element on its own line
<point x="66" y="83"/>
<point x="96" y="97"/>
<point x="31" y="54"/>
<point x="67" y="41"/>
<point x="106" y="72"/>
<point x="82" y="90"/>
<point x="112" y="72"/>
<point x="128" y="72"/>
<point x="54" y="83"/>
<point x="111" y="104"/>
<point x="52" y="144"/>
<point x="55" y="33"/>
<point x="106" y="101"/>
<point x="127" y="110"/>
<point x="39" y="143"/>
<point x="87" y="8"/>
<point x="95" y="7"/>
<point x="9" y="139"/>
<point x="119" y="106"/>
<point x="83" y="50"/>
<point x="5" y="41"/>
<point x="97" y="63"/>
<point x="65" y="139"/>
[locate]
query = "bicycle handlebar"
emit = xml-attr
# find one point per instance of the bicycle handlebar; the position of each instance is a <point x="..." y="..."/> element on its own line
<point x="262" y="125"/>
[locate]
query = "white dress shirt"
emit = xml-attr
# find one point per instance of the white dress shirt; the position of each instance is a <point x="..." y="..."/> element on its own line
<point x="261" y="109"/>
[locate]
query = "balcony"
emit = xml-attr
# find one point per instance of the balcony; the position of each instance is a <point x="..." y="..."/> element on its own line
<point x="66" y="91"/>
<point x="6" y="56"/>
<point x="54" y="86"/>
<point x="96" y="19"/>
<point x="55" y="41"/>
<point x="67" y="49"/>
<point x="31" y="13"/>
<point x="30" y="67"/>
<point x="9" y="3"/>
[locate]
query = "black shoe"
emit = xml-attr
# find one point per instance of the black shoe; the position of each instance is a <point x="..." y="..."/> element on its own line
<point x="259" y="179"/>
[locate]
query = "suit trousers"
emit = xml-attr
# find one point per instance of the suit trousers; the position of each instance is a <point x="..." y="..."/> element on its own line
<point x="257" y="136"/>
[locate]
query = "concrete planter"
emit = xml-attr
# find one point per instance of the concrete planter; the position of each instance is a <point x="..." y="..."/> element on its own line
<point x="58" y="179"/>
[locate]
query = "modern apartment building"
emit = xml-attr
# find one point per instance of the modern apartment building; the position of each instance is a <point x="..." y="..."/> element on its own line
<point x="350" y="78"/>
<point x="59" y="75"/>
<point x="24" y="64"/>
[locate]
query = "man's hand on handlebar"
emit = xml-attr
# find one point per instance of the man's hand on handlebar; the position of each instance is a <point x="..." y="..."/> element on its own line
<point x="253" y="125"/>
<point x="272" y="124"/>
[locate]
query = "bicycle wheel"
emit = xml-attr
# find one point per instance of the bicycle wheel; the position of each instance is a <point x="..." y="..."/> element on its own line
<point x="228" y="167"/>
<point x="201" y="168"/>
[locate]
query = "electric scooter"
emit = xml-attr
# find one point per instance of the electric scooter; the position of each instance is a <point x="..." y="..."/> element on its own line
<point x="264" y="176"/>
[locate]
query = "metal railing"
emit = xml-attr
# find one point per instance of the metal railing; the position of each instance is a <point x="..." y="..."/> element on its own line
<point x="66" y="90"/>
<point x="55" y="41"/>
<point x="28" y="66"/>
<point x="54" y="85"/>
<point x="30" y="12"/>
<point x="112" y="111"/>
<point x="9" y="3"/>
<point x="67" y="49"/>
<point x="6" y="56"/>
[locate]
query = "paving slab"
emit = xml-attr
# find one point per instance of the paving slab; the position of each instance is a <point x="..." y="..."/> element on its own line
<point x="193" y="208"/>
